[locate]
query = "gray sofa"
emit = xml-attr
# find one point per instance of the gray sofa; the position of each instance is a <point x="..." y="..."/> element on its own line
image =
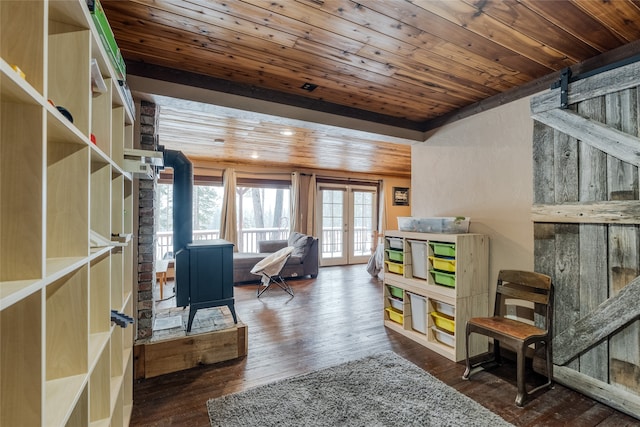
<point x="303" y="261"/>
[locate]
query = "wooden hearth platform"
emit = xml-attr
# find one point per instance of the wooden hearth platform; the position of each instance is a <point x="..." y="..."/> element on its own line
<point x="213" y="338"/>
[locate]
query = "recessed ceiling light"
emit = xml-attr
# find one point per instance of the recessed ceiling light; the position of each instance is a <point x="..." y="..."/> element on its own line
<point x="286" y="132"/>
<point x="308" y="86"/>
<point x="254" y="155"/>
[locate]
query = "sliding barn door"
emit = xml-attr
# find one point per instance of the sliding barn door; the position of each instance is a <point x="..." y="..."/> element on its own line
<point x="586" y="214"/>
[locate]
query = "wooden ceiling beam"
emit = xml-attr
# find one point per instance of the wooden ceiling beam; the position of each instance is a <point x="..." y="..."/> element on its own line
<point x="226" y="86"/>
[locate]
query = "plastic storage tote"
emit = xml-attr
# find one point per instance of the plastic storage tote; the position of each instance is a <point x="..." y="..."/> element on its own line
<point x="395" y="315"/>
<point x="395" y="292"/>
<point x="395" y="242"/>
<point x="395" y="267"/>
<point x="444" y="322"/>
<point x="443" y="249"/>
<point x="396" y="303"/>
<point x="451" y="225"/>
<point x="395" y="255"/>
<point x="444" y="337"/>
<point x="419" y="258"/>
<point x="444" y="308"/>
<point x="445" y="279"/>
<point x="443" y="264"/>
<point x="418" y="312"/>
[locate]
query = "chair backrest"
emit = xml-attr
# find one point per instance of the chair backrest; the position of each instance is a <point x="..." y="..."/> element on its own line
<point x="525" y="296"/>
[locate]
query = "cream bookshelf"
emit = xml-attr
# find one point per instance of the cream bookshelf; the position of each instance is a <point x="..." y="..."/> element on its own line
<point x="62" y="361"/>
<point x="468" y="297"/>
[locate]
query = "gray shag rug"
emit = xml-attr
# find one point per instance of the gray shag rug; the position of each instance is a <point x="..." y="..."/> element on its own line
<point x="379" y="390"/>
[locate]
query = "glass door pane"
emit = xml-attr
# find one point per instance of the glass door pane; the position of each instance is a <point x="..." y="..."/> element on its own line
<point x="347" y="217"/>
<point x="363" y="209"/>
<point x="332" y="233"/>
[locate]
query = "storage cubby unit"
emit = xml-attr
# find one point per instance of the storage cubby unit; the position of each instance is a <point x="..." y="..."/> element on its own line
<point x="62" y="361"/>
<point x="431" y="309"/>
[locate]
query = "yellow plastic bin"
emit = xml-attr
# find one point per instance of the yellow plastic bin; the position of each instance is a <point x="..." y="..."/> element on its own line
<point x="443" y="264"/>
<point x="444" y="322"/>
<point x="395" y="315"/>
<point x="394" y="267"/>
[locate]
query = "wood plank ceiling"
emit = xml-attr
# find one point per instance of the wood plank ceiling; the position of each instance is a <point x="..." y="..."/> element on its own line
<point x="408" y="64"/>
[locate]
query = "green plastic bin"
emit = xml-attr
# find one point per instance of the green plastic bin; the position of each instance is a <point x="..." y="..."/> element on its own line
<point x="396" y="292"/>
<point x="395" y="255"/>
<point x="443" y="249"/>
<point x="445" y="279"/>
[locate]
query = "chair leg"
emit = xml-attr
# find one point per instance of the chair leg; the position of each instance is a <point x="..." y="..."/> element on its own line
<point x="467" y="371"/>
<point x="278" y="280"/>
<point x="284" y="285"/>
<point x="264" y="279"/>
<point x="520" y="373"/>
<point x="549" y="384"/>
<point x="497" y="357"/>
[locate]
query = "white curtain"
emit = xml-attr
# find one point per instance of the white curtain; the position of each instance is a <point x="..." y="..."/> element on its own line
<point x="311" y="206"/>
<point x="228" y="227"/>
<point x="382" y="212"/>
<point x="303" y="203"/>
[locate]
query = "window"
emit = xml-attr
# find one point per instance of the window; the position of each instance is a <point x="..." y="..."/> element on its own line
<point x="207" y="207"/>
<point x="263" y="211"/>
<point x="263" y="214"/>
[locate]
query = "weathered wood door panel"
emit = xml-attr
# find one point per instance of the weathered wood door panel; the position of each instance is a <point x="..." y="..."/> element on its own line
<point x="587" y="238"/>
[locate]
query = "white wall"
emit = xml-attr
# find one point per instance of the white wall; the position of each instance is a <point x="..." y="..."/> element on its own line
<point x="481" y="167"/>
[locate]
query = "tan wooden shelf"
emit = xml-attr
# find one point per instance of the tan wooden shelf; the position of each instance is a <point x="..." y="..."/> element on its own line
<point x="468" y="297"/>
<point x="62" y="362"/>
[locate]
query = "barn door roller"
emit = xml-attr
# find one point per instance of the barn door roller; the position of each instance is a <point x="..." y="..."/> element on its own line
<point x="563" y="84"/>
<point x="565" y="77"/>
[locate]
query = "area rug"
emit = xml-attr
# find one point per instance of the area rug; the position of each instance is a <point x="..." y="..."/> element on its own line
<point x="379" y="390"/>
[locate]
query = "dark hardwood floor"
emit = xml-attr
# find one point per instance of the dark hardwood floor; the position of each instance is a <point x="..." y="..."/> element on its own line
<point x="333" y="319"/>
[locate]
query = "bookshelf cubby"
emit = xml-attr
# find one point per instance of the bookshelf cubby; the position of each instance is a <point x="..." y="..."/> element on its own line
<point x="62" y="361"/>
<point x="430" y="310"/>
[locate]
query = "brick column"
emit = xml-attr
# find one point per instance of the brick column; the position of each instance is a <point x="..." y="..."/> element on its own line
<point x="146" y="227"/>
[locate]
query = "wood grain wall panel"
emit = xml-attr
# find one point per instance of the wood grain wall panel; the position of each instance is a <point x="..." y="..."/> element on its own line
<point x="593" y="240"/>
<point x="620" y="15"/>
<point x="576" y="21"/>
<point x="412" y="61"/>
<point x="624" y="258"/>
<point x="459" y="35"/>
<point x="470" y="17"/>
<point x="513" y="14"/>
<point x="405" y="65"/>
<point x="308" y="149"/>
<point x="597" y="263"/>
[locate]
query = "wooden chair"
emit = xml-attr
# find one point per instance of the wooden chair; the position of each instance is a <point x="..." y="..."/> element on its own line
<point x="522" y="295"/>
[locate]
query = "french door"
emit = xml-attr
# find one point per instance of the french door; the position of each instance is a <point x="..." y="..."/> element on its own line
<point x="347" y="217"/>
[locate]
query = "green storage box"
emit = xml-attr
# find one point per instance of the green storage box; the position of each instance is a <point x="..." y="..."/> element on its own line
<point x="395" y="255"/>
<point x="443" y="278"/>
<point x="396" y="292"/>
<point x="443" y="249"/>
<point x="108" y="40"/>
